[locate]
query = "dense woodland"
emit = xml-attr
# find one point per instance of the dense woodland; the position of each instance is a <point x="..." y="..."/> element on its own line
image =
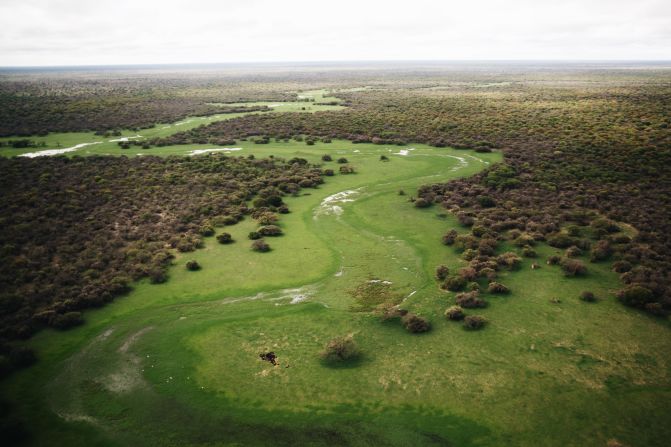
<point x="77" y="232"/>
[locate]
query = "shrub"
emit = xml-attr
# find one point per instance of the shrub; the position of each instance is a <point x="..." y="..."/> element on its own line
<point x="524" y="240"/>
<point x="474" y="322"/>
<point x="528" y="252"/>
<point x="454" y="313"/>
<point x="224" y="238"/>
<point x="605" y="225"/>
<point x="67" y="320"/>
<point x="254" y="235"/>
<point x="621" y="266"/>
<point x="470" y="300"/>
<point x="573" y="267"/>
<point x="415" y="324"/>
<point x="422" y="203"/>
<point x="635" y="295"/>
<point x="327" y="157"/>
<point x="192" y="265"/>
<point x="497" y="287"/>
<point x="465" y="219"/>
<point x="656" y="309"/>
<point x="450" y="237"/>
<point x="441" y="272"/>
<point x="486" y="202"/>
<point x="342" y="160"/>
<point x="601" y="251"/>
<point x="454" y="283"/>
<point x="588" y="296"/>
<point x="346" y="170"/>
<point x="329" y="172"/>
<point x="206" y="230"/>
<point x="509" y="260"/>
<point x="384" y="158"/>
<point x="561" y="240"/>
<point x="270" y="230"/>
<point x="553" y="260"/>
<point x="340" y="349"/>
<point x="260" y="245"/>
<point x="573" y="252"/>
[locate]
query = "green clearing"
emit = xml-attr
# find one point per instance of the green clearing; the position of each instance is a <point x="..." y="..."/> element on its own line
<point x="108" y="146"/>
<point x="178" y="363"/>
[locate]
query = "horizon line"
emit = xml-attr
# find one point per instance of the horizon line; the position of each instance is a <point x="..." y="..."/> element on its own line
<point x="331" y="62"/>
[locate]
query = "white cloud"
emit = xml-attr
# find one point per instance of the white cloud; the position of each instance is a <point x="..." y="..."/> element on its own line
<point x="62" y="32"/>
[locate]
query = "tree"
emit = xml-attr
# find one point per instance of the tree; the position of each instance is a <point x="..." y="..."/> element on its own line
<point x="635" y="295"/>
<point x="340" y="349"/>
<point x="497" y="287"/>
<point x="270" y="230"/>
<point x="441" y="272"/>
<point x="588" y="296"/>
<point x="260" y="245"/>
<point x="474" y="322"/>
<point x="454" y="313"/>
<point x="573" y="267"/>
<point x="192" y="265"/>
<point x="224" y="238"/>
<point x="470" y="300"/>
<point x="415" y="324"/>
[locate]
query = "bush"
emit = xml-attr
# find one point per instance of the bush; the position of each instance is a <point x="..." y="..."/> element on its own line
<point x="588" y="296"/>
<point x="422" y="203"/>
<point x="192" y="265"/>
<point x="329" y="172"/>
<point x="454" y="313"/>
<point x="340" y="349"/>
<point x="601" y="251"/>
<point x="656" y="309"/>
<point x="67" y="320"/>
<point x="573" y="252"/>
<point x="509" y="260"/>
<point x="224" y="238"/>
<point x="605" y="225"/>
<point x="206" y="230"/>
<point x="621" y="266"/>
<point x="497" y="287"/>
<point x="441" y="272"/>
<point x="474" y="322"/>
<point x="470" y="300"/>
<point x="454" y="283"/>
<point x="573" y="267"/>
<point x="528" y="252"/>
<point x="254" y="235"/>
<point x="260" y="245"/>
<point x="415" y="324"/>
<point x="561" y="240"/>
<point x="327" y="157"/>
<point x="270" y="230"/>
<point x="486" y="202"/>
<point x="342" y="160"/>
<point x="553" y="260"/>
<point x="635" y="295"/>
<point x="450" y="237"/>
<point x="465" y="219"/>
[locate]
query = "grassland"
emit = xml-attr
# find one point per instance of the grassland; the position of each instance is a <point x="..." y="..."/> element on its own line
<point x="178" y="363"/>
<point x="100" y="145"/>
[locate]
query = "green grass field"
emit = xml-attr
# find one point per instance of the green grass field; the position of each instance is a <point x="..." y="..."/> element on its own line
<point x="178" y="363"/>
<point x="98" y="145"/>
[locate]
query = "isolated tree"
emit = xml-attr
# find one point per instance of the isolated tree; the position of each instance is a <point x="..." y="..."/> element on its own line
<point x="224" y="238"/>
<point x="260" y="245"/>
<point x="192" y="265"/>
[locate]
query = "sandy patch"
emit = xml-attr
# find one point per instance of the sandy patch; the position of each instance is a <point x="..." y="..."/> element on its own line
<point x="126" y="138"/>
<point x="52" y="152"/>
<point x="331" y="204"/>
<point x="218" y="149"/>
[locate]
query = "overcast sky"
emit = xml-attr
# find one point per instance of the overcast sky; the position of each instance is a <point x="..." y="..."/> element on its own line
<point x="92" y="32"/>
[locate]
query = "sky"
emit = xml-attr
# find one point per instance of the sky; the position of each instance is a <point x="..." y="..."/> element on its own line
<point x="111" y="32"/>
